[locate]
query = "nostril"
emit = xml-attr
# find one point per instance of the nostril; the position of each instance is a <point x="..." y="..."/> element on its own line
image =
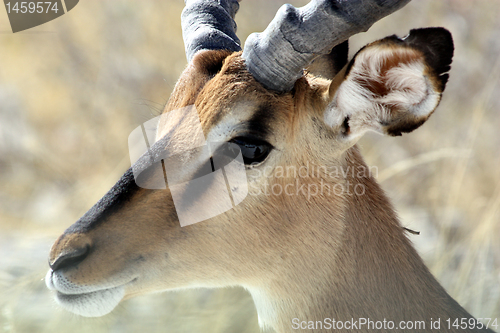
<point x="69" y="259"/>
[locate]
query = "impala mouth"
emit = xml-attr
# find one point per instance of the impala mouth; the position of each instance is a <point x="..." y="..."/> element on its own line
<point x="93" y="303"/>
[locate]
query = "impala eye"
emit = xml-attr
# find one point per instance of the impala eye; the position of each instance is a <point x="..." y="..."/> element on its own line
<point x="253" y="150"/>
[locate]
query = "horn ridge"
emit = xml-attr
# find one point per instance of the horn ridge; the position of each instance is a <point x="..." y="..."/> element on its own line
<point x="276" y="57"/>
<point x="209" y="25"/>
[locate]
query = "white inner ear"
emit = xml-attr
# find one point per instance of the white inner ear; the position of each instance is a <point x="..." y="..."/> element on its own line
<point x="407" y="89"/>
<point x="410" y="89"/>
<point x="407" y="85"/>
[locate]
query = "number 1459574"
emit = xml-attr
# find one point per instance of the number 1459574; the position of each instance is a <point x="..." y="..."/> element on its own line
<point x="32" y="7"/>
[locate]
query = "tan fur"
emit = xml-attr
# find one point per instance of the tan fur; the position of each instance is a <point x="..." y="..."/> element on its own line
<point x="326" y="256"/>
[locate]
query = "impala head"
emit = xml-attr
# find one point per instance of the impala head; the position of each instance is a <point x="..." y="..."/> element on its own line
<point x="295" y="131"/>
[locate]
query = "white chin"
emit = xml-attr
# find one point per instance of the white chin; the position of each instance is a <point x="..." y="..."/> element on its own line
<point x="93" y="304"/>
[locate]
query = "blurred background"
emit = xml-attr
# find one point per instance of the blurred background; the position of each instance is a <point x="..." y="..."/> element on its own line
<point x="72" y="90"/>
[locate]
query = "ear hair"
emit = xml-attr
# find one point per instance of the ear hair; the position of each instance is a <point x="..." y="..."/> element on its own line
<point x="209" y="62"/>
<point x="393" y="85"/>
<point x="204" y="65"/>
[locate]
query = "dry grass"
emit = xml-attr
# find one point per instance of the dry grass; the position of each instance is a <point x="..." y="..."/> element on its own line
<point x="72" y="90"/>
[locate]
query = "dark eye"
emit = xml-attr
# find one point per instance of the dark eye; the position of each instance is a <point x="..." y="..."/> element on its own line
<point x="253" y="150"/>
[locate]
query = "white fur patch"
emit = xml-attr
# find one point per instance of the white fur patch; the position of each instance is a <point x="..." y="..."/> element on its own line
<point x="406" y="89"/>
<point x="266" y="313"/>
<point x="85" y="300"/>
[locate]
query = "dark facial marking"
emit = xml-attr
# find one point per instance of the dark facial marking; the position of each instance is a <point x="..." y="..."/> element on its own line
<point x="258" y="124"/>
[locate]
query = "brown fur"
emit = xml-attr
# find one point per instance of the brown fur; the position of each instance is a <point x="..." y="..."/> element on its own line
<point x="328" y="256"/>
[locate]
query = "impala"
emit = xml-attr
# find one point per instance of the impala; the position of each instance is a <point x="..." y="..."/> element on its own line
<point x="312" y="244"/>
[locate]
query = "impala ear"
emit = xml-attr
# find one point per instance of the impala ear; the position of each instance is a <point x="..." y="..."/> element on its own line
<point x="209" y="62"/>
<point x="391" y="86"/>
<point x="203" y="66"/>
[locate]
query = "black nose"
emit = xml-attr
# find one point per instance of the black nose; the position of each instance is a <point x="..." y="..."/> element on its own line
<point x="70" y="258"/>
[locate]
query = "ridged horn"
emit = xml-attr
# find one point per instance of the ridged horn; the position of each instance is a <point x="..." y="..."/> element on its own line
<point x="277" y="56"/>
<point x="209" y="25"/>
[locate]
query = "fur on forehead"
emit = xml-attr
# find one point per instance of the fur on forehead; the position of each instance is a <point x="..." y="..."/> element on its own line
<point x="218" y="84"/>
<point x="234" y="87"/>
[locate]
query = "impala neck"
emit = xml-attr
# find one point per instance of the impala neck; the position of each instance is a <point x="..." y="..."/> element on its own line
<point x="371" y="271"/>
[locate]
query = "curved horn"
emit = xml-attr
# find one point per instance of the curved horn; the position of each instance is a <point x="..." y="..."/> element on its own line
<point x="296" y="36"/>
<point x="209" y="24"/>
